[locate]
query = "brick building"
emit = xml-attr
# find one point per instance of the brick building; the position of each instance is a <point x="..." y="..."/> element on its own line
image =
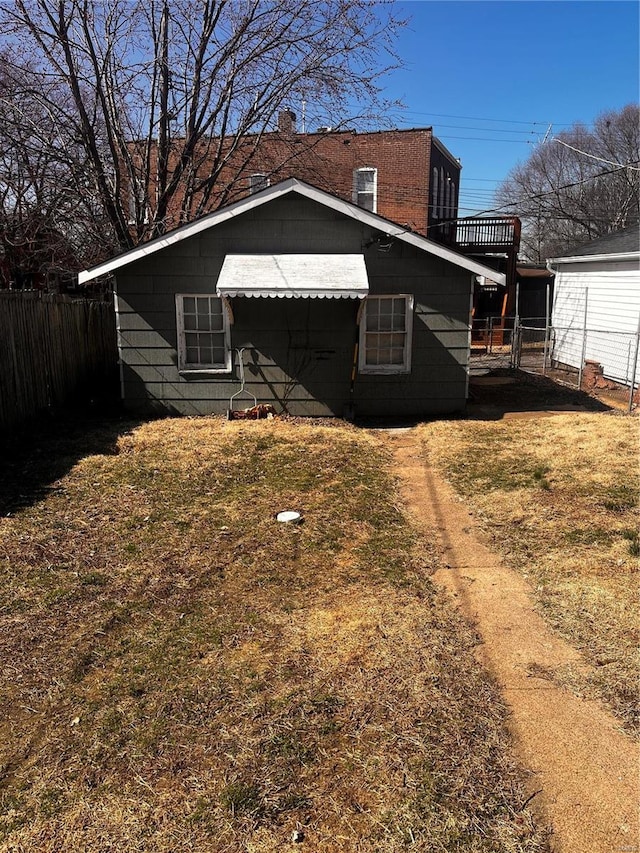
<point x="406" y="176"/>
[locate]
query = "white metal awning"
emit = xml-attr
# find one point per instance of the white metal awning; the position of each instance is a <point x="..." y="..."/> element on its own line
<point x="291" y="276"/>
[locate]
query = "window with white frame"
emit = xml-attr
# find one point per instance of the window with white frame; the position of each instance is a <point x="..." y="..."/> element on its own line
<point x="365" y="188"/>
<point x="203" y="333"/>
<point x="385" y="334"/>
<point x="257" y="182"/>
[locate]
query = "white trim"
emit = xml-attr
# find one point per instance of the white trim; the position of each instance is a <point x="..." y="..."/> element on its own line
<point x="387" y="369"/>
<point x="119" y="343"/>
<point x="357" y="193"/>
<point x="291" y="185"/>
<point x="583" y="259"/>
<point x="183" y="366"/>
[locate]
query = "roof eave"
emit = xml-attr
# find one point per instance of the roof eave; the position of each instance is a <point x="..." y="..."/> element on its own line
<point x="581" y="259"/>
<point x="391" y="229"/>
<point x="444" y="150"/>
<point x="188" y="230"/>
<point x="379" y="223"/>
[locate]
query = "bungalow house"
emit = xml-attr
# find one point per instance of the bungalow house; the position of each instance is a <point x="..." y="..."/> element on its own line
<point x="325" y="308"/>
<point x="597" y="289"/>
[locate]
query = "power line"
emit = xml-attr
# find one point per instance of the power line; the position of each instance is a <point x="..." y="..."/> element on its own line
<point x="554" y="217"/>
<point x="472" y="196"/>
<point x="485" y="139"/>
<point x="553" y="191"/>
<point x="477" y="190"/>
<point x="593" y="156"/>
<point x="484" y="118"/>
<point x="490" y="129"/>
<point x="477" y="196"/>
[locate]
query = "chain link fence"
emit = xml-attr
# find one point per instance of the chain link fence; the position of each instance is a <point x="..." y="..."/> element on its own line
<point x="599" y="361"/>
<point x="491" y="339"/>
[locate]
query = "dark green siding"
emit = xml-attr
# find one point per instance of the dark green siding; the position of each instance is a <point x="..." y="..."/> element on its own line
<point x="299" y="352"/>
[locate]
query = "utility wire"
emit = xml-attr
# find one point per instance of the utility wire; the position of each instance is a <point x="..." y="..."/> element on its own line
<point x="537" y="195"/>
<point x="483" y="118"/>
<point x="488" y="129"/>
<point x="548" y="217"/>
<point x="593" y="156"/>
<point x="485" y="139"/>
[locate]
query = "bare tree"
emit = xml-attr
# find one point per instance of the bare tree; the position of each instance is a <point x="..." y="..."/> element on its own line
<point x="579" y="185"/>
<point x="168" y="100"/>
<point x="37" y="192"/>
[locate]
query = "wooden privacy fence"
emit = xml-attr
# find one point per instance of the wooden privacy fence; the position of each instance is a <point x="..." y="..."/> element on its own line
<point x="52" y="349"/>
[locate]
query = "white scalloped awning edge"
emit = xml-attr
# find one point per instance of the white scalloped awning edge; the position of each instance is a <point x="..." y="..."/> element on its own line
<point x="294" y="276"/>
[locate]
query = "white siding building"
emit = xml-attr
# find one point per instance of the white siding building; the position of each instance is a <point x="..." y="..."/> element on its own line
<point x="598" y="289"/>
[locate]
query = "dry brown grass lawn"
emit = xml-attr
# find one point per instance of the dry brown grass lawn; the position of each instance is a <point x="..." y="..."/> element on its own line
<point x="181" y="672"/>
<point x="559" y="497"/>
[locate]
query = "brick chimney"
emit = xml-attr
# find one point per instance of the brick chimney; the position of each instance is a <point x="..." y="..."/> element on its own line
<point x="287" y="121"/>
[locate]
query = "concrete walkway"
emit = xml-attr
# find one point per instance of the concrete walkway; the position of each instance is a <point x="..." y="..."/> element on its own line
<point x="584" y="768"/>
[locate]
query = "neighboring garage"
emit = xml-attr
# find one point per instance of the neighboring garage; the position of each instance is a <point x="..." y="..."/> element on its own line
<point x="596" y="306"/>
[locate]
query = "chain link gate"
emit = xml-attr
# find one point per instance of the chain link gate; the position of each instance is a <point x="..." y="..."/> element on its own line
<point x="600" y="361"/>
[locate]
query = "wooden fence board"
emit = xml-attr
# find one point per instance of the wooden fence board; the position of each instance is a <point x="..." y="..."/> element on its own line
<point x="51" y="349"/>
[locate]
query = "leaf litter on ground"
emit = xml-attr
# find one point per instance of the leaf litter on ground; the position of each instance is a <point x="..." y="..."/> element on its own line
<point x="231" y="680"/>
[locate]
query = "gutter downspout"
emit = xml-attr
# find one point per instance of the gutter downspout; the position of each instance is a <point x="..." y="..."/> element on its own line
<point x="547" y="328"/>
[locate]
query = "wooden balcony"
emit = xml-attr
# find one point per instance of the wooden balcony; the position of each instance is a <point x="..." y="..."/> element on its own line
<point x="488" y="235"/>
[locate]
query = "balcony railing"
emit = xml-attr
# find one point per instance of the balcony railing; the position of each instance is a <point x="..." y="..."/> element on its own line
<point x="489" y="234"/>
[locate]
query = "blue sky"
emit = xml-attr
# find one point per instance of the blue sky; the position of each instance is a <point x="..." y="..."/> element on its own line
<point x="506" y="70"/>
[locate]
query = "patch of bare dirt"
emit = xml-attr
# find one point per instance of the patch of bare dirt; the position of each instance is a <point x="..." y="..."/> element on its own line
<point x="584" y="770"/>
<point x="507" y="393"/>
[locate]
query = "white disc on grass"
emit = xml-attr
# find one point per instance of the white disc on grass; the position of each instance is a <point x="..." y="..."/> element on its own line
<point x="288" y="515"/>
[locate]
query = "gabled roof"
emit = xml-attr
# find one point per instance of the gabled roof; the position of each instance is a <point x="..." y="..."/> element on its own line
<point x="620" y="243"/>
<point x="289" y="186"/>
